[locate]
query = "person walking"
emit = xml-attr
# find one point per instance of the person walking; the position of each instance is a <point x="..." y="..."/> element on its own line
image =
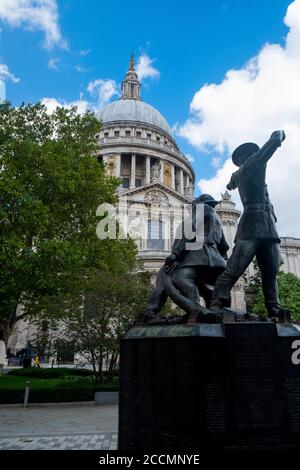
<point x="36" y="361"/>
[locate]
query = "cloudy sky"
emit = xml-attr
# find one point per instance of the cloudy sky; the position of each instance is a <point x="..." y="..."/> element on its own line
<point x="221" y="71"/>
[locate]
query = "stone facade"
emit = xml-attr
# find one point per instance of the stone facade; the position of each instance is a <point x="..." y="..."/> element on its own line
<point x="290" y="252"/>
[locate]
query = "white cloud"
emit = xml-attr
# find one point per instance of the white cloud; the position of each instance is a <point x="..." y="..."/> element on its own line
<point x="52" y="64"/>
<point x="41" y="15"/>
<point x="2" y="91"/>
<point x="103" y="90"/>
<point x="216" y="162"/>
<point x="52" y="103"/>
<point x="248" y="105"/>
<point x="81" y="69"/>
<point x="5" y="74"/>
<point x="190" y="157"/>
<point x="145" y="69"/>
<point x="84" y="52"/>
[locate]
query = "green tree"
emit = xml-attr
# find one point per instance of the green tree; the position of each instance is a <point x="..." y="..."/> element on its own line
<point x="92" y="322"/>
<point x="50" y="187"/>
<point x="289" y="293"/>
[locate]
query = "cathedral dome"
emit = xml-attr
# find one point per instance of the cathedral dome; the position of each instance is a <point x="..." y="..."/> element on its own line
<point x="133" y="110"/>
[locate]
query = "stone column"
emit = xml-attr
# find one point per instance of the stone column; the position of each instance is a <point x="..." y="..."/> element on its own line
<point x="118" y="165"/>
<point x="288" y="262"/>
<point x="187" y="182"/>
<point x="148" y="171"/>
<point x="297" y="265"/>
<point x="173" y="176"/>
<point x="132" y="173"/>
<point x="181" y="190"/>
<point x="294" y="264"/>
<point x="162" y="165"/>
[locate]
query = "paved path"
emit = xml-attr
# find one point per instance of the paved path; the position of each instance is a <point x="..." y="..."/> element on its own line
<point x="61" y="426"/>
<point x="102" y="441"/>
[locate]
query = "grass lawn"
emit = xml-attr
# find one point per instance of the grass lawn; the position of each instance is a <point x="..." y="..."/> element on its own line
<point x="9" y="382"/>
<point x="51" y="390"/>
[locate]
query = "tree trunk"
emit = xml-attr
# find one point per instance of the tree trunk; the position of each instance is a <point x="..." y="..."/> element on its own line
<point x="6" y="330"/>
<point x="100" y="365"/>
<point x="94" y="366"/>
<point x="10" y="319"/>
<point x="112" y="365"/>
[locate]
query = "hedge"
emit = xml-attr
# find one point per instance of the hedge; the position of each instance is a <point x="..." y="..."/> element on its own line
<point x="54" y="373"/>
<point x="58" y="395"/>
<point x="66" y="389"/>
<point x="47" y="396"/>
<point x="51" y="373"/>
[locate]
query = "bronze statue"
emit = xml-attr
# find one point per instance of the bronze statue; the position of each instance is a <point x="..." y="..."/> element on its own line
<point x="191" y="270"/>
<point x="257" y="234"/>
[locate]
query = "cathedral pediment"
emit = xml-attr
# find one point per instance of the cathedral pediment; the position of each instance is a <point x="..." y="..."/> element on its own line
<point x="155" y="193"/>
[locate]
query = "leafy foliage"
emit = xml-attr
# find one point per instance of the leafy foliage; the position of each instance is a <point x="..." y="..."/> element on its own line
<point x="93" y="322"/>
<point x="50" y="373"/>
<point x="85" y="290"/>
<point x="50" y="187"/>
<point x="289" y="293"/>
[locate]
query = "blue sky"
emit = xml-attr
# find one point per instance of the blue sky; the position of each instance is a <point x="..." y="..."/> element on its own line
<point x="190" y="44"/>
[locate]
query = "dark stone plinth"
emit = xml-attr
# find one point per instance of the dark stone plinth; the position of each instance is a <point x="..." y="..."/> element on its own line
<point x="231" y="386"/>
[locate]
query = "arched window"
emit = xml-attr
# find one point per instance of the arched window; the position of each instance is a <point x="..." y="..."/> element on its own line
<point x="155" y="235"/>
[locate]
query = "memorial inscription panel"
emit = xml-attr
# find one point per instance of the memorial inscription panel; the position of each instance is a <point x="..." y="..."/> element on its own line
<point x="233" y="387"/>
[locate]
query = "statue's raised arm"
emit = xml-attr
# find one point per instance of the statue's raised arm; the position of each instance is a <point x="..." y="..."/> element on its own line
<point x="248" y="157"/>
<point x="268" y="149"/>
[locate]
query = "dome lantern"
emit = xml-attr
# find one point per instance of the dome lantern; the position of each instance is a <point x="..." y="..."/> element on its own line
<point x="131" y="87"/>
